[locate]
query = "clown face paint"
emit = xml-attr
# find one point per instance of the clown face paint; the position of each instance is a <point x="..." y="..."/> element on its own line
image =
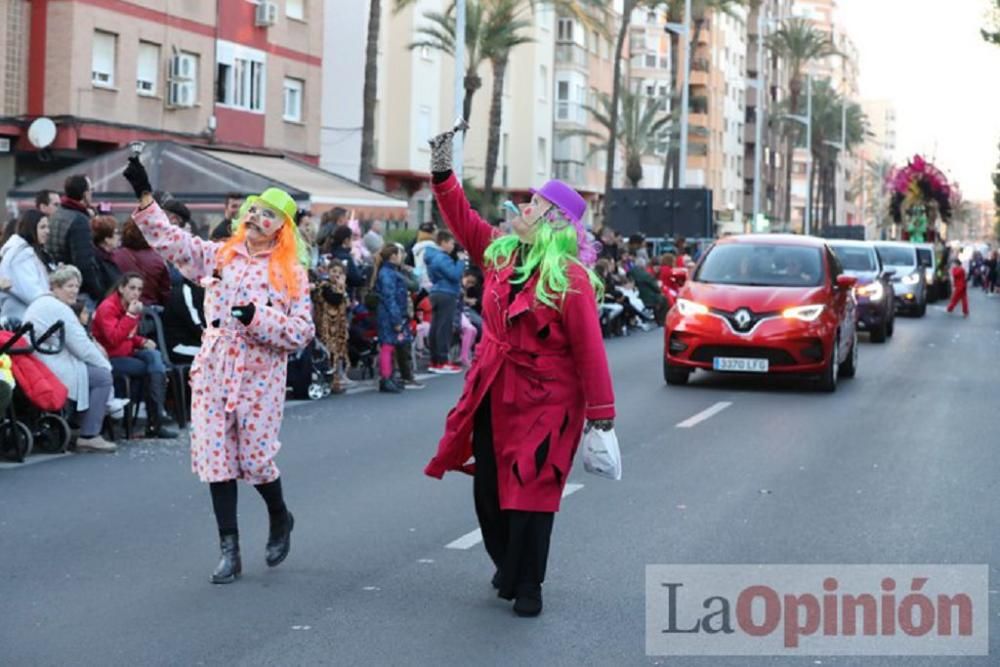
<point x="532" y="213"/>
<point x="262" y="222"/>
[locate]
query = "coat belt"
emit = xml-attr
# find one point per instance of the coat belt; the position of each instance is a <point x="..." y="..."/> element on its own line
<point x="518" y="357"/>
<point x="239" y="340"/>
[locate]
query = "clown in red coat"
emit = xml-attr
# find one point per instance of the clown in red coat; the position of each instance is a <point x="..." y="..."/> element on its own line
<point x="539" y="373"/>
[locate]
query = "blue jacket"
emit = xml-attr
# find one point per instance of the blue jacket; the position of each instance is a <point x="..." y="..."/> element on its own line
<point x="392" y="301"/>
<point x="445" y="273"/>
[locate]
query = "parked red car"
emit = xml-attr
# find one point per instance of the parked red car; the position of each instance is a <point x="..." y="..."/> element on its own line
<point x="764" y="304"/>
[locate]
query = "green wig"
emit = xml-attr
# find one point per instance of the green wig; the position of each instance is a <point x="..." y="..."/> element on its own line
<point x="551" y="254"/>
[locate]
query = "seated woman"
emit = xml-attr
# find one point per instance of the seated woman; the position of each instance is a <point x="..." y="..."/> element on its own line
<point x="81" y="365"/>
<point x="135" y="256"/>
<point x="24" y="265"/>
<point x="116" y="328"/>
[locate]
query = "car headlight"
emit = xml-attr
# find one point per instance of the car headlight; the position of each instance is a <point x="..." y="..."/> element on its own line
<point x="688" y="308"/>
<point x="873" y="291"/>
<point x="911" y="279"/>
<point x="803" y="313"/>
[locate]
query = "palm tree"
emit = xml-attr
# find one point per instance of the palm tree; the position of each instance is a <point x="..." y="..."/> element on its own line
<point x="798" y="43"/>
<point x="877" y="193"/>
<point x="827" y="127"/>
<point x="439" y="35"/>
<point x="700" y="12"/>
<point x="370" y="92"/>
<point x="504" y="31"/>
<point x="639" y="128"/>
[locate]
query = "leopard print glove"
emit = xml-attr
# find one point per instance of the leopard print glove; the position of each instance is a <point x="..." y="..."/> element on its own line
<point x="441" y="151"/>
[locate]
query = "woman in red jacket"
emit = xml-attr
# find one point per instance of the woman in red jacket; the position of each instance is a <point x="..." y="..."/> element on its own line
<point x="116" y="328"/>
<point x="539" y="372"/>
<point x="135" y="256"/>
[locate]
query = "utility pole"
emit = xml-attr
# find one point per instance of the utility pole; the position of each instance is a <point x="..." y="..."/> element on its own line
<point x="760" y="85"/>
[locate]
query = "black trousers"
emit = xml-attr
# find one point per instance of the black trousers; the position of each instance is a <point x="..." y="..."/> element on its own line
<point x="442" y="326"/>
<point x="517" y="541"/>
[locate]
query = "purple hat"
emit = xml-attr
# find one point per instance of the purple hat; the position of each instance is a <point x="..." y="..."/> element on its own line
<point x="565" y="198"/>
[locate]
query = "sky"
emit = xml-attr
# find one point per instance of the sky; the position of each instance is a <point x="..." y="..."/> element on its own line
<point x="927" y="57"/>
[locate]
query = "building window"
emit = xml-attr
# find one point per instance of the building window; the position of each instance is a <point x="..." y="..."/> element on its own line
<point x="423" y="126"/>
<point x="295" y="9"/>
<point x="293" y="99"/>
<point x="147" y="68"/>
<point x="543" y="83"/>
<point x="182" y="84"/>
<point x="651" y="60"/>
<point x="564" y="30"/>
<point x="562" y="100"/>
<point x="543" y="155"/>
<point x="102" y="67"/>
<point x="240" y="79"/>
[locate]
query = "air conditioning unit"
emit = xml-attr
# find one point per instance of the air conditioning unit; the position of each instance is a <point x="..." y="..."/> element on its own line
<point x="266" y="14"/>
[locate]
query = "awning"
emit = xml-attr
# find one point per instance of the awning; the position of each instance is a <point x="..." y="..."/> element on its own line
<point x="202" y="178"/>
<point x="326" y="189"/>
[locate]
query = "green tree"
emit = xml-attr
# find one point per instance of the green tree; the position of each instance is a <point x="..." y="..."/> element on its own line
<point x="640" y="125"/>
<point x="878" y="192"/>
<point x="798" y="43"/>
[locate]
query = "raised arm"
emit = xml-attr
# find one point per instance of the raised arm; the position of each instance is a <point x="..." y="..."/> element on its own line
<point x="195" y="258"/>
<point x="472" y="232"/>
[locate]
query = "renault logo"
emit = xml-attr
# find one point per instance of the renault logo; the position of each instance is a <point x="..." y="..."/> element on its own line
<point x="743" y="318"/>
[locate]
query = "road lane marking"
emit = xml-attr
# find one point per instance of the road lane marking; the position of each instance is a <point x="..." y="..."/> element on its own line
<point x="704" y="414"/>
<point x="474" y="537"/>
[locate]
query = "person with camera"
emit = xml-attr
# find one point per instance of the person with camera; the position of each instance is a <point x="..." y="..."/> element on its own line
<point x="539" y="373"/>
<point x="258" y="311"/>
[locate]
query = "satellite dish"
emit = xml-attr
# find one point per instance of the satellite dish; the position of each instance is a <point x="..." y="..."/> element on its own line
<point x="42" y="132"/>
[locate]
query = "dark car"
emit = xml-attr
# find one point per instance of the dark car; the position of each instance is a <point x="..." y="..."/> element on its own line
<point x="876" y="303"/>
<point x="909" y="283"/>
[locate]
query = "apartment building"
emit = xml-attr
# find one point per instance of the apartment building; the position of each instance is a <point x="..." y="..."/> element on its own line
<point x="236" y="73"/>
<point x="759" y="108"/>
<point x="415" y="101"/>
<point x="649" y="73"/>
<point x="842" y="71"/>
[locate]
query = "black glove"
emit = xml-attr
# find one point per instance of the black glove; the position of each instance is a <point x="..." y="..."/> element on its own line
<point x="137" y="177"/>
<point x="601" y="424"/>
<point x="244" y="313"/>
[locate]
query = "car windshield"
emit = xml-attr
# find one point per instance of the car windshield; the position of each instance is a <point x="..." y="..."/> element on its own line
<point x="856" y="258"/>
<point x="762" y="265"/>
<point x="897" y="256"/>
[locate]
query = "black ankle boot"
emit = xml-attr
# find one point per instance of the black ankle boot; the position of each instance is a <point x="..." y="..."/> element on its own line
<point x="279" y="542"/>
<point x="229" y="567"/>
<point x="529" y="600"/>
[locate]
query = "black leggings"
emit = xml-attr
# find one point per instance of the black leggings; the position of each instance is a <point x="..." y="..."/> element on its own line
<point x="517" y="541"/>
<point x="224" y="496"/>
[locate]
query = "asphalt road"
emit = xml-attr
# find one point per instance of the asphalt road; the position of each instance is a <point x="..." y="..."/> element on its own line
<point x="105" y="558"/>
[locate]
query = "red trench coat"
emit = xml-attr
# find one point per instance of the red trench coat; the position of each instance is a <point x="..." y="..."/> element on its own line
<point x="546" y="371"/>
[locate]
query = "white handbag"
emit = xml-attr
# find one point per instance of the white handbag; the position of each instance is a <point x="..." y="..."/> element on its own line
<point x="601" y="455"/>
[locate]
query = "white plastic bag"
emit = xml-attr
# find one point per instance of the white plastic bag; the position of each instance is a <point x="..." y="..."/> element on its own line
<point x="601" y="455"/>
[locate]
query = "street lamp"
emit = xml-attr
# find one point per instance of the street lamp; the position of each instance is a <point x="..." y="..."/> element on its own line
<point x="683" y="30"/>
<point x="807" y="121"/>
<point x="841" y="145"/>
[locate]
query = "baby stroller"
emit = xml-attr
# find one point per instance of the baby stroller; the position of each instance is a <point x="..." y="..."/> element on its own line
<point x="34" y="417"/>
<point x="310" y="372"/>
<point x="362" y="341"/>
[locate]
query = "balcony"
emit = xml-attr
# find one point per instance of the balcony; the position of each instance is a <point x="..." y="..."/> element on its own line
<point x="568" y="53"/>
<point x="750" y="133"/>
<point x="570" y="112"/>
<point x="574" y="173"/>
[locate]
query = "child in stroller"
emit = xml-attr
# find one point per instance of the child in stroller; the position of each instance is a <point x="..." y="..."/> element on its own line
<point x="310" y="372"/>
<point x="362" y="341"/>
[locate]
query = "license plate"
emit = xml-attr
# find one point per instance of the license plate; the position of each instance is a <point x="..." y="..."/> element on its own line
<point x="738" y="365"/>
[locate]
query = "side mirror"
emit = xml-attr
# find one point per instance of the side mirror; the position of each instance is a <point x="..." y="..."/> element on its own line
<point x="846" y="282"/>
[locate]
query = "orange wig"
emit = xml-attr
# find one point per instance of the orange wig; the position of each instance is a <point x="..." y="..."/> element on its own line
<point x="281" y="268"/>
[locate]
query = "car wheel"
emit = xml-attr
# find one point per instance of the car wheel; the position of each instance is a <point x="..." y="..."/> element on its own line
<point x="922" y="309"/>
<point x="828" y="379"/>
<point x="879" y="333"/>
<point x="849" y="367"/>
<point x="675" y="375"/>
